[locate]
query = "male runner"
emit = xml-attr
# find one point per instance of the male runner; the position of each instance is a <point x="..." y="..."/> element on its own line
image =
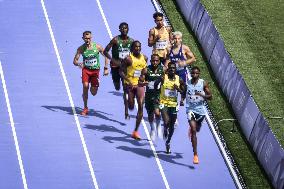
<point x="90" y="66"/>
<point x="152" y="96"/>
<point x="130" y="72"/>
<point x="120" y="49"/>
<point x="171" y="84"/>
<point x="160" y="37"/>
<point x="197" y="91"/>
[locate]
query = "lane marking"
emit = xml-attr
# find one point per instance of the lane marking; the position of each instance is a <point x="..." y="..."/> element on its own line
<point x="13" y="129"/>
<point x="143" y="122"/>
<point x="70" y="97"/>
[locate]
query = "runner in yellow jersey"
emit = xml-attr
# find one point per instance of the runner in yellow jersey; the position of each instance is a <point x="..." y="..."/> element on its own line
<point x="130" y="72"/>
<point x="160" y="37"/>
<point x="171" y="84"/>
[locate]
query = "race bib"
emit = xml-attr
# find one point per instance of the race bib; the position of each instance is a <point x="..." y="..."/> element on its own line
<point x="137" y="73"/>
<point x="161" y="44"/>
<point x="171" y="93"/>
<point x="151" y="85"/>
<point x="123" y="53"/>
<point x="91" y="62"/>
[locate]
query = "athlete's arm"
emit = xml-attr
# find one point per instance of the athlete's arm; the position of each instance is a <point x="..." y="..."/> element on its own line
<point x="190" y="58"/>
<point x="123" y="67"/>
<point x="208" y="94"/>
<point x="151" y="38"/>
<point x="101" y="50"/>
<point x="77" y="56"/>
<point x="180" y="88"/>
<point x="142" y="81"/>
<point x="167" y="58"/>
<point x="169" y="29"/>
<point x="108" y="47"/>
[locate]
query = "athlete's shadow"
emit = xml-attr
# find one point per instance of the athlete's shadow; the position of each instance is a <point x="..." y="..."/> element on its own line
<point x="116" y="93"/>
<point x="112" y="139"/>
<point x="149" y="154"/>
<point x="92" y="112"/>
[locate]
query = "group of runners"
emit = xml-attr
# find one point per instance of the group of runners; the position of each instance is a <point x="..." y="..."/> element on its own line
<point x="157" y="85"/>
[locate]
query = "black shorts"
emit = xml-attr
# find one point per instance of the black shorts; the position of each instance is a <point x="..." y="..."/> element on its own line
<point x="196" y="117"/>
<point x="115" y="74"/>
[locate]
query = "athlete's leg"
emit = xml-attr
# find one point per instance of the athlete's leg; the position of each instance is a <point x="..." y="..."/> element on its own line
<point x="115" y="77"/>
<point x="94" y="82"/>
<point x="85" y="94"/>
<point x="125" y="101"/>
<point x="157" y="113"/>
<point x="140" y="102"/>
<point x="193" y="126"/>
<point x="131" y="96"/>
<point x="173" y="117"/>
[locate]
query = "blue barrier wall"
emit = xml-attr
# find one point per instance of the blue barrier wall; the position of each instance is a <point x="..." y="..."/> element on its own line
<point x="253" y="124"/>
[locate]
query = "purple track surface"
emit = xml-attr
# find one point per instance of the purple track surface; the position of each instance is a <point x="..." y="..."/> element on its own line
<point x="49" y="142"/>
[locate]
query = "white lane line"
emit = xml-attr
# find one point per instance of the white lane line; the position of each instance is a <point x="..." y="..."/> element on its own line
<point x="143" y="122"/>
<point x="70" y="97"/>
<point x="13" y="129"/>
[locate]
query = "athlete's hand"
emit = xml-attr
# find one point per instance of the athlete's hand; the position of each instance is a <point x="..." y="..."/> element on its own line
<point x="181" y="103"/>
<point x="80" y="65"/>
<point x="105" y="72"/>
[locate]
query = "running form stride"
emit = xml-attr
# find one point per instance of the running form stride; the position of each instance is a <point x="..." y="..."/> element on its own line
<point x="152" y="95"/>
<point x="171" y="84"/>
<point x="90" y="67"/>
<point x="160" y="37"/>
<point x="130" y="72"/>
<point x="120" y="49"/>
<point x="197" y="91"/>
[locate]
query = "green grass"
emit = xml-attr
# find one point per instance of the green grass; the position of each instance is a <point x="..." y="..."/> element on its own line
<point x="255" y="43"/>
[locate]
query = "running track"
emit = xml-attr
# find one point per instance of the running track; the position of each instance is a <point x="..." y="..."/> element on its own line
<point x="44" y="145"/>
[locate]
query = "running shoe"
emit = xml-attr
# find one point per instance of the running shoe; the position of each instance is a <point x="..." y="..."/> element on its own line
<point x="135" y="135"/>
<point x="85" y="112"/>
<point x="195" y="159"/>
<point x="160" y="131"/>
<point x="176" y="124"/>
<point x="168" y="148"/>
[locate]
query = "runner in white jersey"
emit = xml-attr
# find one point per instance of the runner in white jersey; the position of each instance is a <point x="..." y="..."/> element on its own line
<point x="197" y="91"/>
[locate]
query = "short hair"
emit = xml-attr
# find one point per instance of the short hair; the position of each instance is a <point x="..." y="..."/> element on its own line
<point x="195" y="68"/>
<point x="132" y="44"/>
<point x="155" y="54"/>
<point x="86" y="33"/>
<point x="177" y="33"/>
<point x="123" y="24"/>
<point x="157" y="14"/>
<point x="171" y="63"/>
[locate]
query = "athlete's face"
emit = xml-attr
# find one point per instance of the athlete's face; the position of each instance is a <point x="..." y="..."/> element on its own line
<point x="159" y="21"/>
<point x="124" y="30"/>
<point x="136" y="48"/>
<point x="87" y="38"/>
<point x="172" y="69"/>
<point x="195" y="74"/>
<point x="155" y="60"/>
<point x="177" y="40"/>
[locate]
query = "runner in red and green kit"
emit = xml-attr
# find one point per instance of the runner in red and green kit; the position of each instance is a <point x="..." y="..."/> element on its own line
<point x="120" y="49"/>
<point x="90" y="67"/>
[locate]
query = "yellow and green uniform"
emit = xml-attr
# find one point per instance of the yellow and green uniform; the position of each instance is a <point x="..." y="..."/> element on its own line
<point x="134" y="71"/>
<point x="91" y="57"/>
<point x="160" y="47"/>
<point x="169" y="95"/>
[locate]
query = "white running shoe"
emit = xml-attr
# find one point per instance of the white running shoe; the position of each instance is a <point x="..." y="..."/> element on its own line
<point x="160" y="131"/>
<point x="176" y="124"/>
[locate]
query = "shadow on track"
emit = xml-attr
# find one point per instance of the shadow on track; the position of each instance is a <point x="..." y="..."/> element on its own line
<point x="149" y="154"/>
<point x="92" y="112"/>
<point x="111" y="139"/>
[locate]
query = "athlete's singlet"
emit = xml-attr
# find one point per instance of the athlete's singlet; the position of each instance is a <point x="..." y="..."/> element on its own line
<point x="121" y="50"/>
<point x="134" y="71"/>
<point x="177" y="57"/>
<point x="91" y="57"/>
<point x="160" y="47"/>
<point x="195" y="103"/>
<point x="168" y="94"/>
<point x="151" y="77"/>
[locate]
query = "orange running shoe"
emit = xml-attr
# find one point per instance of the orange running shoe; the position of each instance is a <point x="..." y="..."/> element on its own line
<point x="195" y="159"/>
<point x="85" y="111"/>
<point x="135" y="135"/>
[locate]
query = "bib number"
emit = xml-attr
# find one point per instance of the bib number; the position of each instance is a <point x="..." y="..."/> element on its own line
<point x="137" y="73"/>
<point x="91" y="62"/>
<point x="151" y="85"/>
<point x="161" y="44"/>
<point x="123" y="53"/>
<point x="170" y="93"/>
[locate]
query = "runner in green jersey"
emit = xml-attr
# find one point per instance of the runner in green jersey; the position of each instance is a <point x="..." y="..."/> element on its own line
<point x="90" y="67"/>
<point x="120" y="48"/>
<point x="152" y="96"/>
